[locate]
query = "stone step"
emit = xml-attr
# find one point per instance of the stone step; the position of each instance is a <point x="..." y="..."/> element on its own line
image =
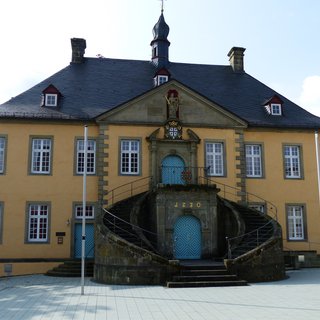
<point x="64" y="268"/>
<point x="203" y="272"/>
<point x="207" y="265"/>
<point x="72" y="268"/>
<point x="193" y="284"/>
<point x="68" y="274"/>
<point x="201" y="278"/>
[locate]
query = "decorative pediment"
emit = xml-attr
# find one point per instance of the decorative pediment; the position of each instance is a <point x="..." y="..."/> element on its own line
<point x="171" y="101"/>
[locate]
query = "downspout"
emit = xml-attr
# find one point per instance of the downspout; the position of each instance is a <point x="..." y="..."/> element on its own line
<point x="317" y="159"/>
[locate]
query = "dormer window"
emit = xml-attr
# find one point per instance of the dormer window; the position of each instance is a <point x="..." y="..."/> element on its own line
<point x="51" y="100"/>
<point x="51" y="97"/>
<point x="158" y="80"/>
<point x="162" y="76"/>
<point x="274" y="106"/>
<point x="276" y="109"/>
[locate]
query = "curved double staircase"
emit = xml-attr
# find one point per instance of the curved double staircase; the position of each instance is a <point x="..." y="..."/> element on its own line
<point x="127" y="250"/>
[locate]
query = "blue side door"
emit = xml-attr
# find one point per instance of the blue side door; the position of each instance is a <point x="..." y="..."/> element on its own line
<point x="89" y="252"/>
<point x="187" y="238"/>
<point x="172" y="168"/>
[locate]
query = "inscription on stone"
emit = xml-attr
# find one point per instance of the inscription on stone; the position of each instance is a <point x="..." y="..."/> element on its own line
<point x="188" y="204"/>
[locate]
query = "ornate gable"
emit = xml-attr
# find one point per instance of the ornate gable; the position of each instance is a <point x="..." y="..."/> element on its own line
<point x="171" y="101"/>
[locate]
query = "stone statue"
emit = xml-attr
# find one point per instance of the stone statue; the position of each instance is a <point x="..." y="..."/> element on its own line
<point x="173" y="104"/>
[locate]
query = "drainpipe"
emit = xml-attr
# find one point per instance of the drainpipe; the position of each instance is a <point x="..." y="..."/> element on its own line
<point x="317" y="159"/>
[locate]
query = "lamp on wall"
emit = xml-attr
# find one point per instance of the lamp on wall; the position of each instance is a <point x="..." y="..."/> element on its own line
<point x="68" y="222"/>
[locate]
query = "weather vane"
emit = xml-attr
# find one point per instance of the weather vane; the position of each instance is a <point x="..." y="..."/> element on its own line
<point x="162" y="5"/>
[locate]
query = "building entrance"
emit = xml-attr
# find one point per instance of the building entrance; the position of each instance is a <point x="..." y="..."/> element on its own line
<point x="187" y="238"/>
<point x="89" y="251"/>
<point x="172" y="168"/>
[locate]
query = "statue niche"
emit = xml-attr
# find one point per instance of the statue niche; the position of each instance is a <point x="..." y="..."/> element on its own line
<point x="173" y="104"/>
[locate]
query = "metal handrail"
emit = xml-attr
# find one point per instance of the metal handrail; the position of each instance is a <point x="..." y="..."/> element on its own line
<point x="250" y="232"/>
<point x="132" y="225"/>
<point x="123" y="192"/>
<point x="256" y="241"/>
<point x="128" y="190"/>
<point x="182" y="174"/>
<point x="225" y="192"/>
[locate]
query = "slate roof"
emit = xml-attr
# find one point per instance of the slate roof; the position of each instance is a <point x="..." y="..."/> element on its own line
<point x="100" y="84"/>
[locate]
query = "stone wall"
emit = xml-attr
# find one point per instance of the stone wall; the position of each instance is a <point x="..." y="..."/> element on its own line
<point x="119" y="262"/>
<point x="266" y="263"/>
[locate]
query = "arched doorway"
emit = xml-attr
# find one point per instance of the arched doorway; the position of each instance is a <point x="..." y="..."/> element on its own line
<point x="172" y="167"/>
<point x="187" y="238"/>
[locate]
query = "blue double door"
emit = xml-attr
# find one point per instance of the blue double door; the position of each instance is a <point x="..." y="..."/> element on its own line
<point x="187" y="238"/>
<point x="89" y="246"/>
<point x="172" y="169"/>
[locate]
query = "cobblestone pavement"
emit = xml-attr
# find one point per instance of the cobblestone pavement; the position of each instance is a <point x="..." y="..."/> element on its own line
<point x="41" y="297"/>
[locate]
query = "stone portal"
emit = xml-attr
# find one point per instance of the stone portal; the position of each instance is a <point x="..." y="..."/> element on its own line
<point x="178" y="210"/>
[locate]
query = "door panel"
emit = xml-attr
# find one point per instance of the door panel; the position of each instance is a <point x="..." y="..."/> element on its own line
<point x="187" y="238"/>
<point x="172" y="168"/>
<point x="89" y="251"/>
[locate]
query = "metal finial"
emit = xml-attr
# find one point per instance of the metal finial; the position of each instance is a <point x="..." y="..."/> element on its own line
<point x="162" y="5"/>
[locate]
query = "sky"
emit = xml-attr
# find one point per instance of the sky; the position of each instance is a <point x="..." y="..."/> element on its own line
<point x="280" y="36"/>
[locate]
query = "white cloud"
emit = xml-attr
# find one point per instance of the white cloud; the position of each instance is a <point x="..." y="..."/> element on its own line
<point x="310" y="96"/>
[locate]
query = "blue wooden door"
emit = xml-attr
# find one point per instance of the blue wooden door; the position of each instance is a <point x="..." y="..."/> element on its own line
<point x="187" y="238"/>
<point x="172" y="168"/>
<point x="89" y="252"/>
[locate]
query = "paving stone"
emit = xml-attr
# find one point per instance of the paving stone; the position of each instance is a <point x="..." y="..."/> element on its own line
<point x="47" y="298"/>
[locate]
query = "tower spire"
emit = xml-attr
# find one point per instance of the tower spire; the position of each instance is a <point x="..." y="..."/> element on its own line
<point x="160" y="44"/>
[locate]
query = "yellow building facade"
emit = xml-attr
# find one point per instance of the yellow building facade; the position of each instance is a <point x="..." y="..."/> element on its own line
<point x="218" y="123"/>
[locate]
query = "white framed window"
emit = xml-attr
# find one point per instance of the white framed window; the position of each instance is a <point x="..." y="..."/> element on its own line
<point x="295" y="222"/>
<point x="38" y="223"/>
<point x="130" y="157"/>
<point x="2" y="154"/>
<point x="253" y="160"/>
<point x="215" y="158"/>
<point x="163" y="79"/>
<point x="292" y="163"/>
<point x="41" y="156"/>
<point x="160" y="79"/>
<point x="276" y="109"/>
<point x="89" y="212"/>
<point x="91" y="156"/>
<point x="51" y="100"/>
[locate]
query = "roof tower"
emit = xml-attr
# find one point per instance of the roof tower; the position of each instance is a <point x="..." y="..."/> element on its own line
<point x="160" y="44"/>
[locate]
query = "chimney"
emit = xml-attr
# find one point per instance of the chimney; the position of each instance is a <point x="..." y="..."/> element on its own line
<point x="236" y="58"/>
<point x="78" y="48"/>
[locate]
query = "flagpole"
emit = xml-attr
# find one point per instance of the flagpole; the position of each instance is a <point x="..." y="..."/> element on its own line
<point x="83" y="249"/>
